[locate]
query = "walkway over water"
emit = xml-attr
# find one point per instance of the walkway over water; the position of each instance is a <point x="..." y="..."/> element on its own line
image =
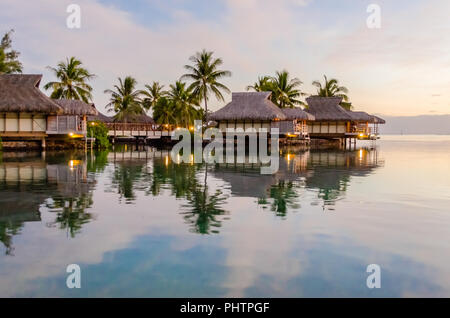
<point x="137" y="130"/>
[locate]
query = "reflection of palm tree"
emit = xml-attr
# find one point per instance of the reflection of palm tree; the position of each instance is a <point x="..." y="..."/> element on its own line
<point x="180" y="177"/>
<point x="98" y="162"/>
<point x="7" y="231"/>
<point x="125" y="178"/>
<point x="203" y="209"/>
<point x="283" y="195"/>
<point x="72" y="214"/>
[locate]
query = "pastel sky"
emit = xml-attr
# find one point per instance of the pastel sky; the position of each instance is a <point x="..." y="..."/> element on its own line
<point x="403" y="68"/>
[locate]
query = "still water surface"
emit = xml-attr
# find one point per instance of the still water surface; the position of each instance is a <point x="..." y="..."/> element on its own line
<point x="141" y="225"/>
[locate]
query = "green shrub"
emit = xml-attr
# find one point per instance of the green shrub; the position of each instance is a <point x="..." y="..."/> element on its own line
<point x="99" y="131"/>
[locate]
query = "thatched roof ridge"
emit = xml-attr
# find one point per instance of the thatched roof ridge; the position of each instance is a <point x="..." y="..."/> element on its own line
<point x="21" y="93"/>
<point x="360" y="116"/>
<point x="100" y="117"/>
<point x="141" y="119"/>
<point x="327" y="109"/>
<point x="249" y="106"/>
<point x="76" y="107"/>
<point x="297" y="113"/>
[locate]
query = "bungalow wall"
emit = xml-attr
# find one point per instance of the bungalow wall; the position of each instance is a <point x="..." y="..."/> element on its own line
<point x="22" y="122"/>
<point x="284" y="126"/>
<point x="291" y="126"/>
<point x="234" y="124"/>
<point x="17" y="124"/>
<point x="324" y="127"/>
<point x="66" y="124"/>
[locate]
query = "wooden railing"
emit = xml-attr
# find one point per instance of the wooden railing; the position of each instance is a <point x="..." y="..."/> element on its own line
<point x="132" y="126"/>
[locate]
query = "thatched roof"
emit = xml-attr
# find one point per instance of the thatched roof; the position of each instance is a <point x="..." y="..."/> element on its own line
<point x="377" y="120"/>
<point x="141" y="119"/>
<point x="249" y="106"/>
<point x="100" y="117"/>
<point x="297" y="113"/>
<point x="20" y="93"/>
<point x="360" y="116"/>
<point x="327" y="109"/>
<point x="76" y="107"/>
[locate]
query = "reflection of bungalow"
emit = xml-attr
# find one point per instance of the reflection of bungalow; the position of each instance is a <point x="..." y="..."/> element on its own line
<point x="256" y="110"/>
<point x="28" y="114"/>
<point x="333" y="121"/>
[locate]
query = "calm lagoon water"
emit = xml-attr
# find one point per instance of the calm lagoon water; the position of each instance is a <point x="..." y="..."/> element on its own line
<point x="140" y="225"/>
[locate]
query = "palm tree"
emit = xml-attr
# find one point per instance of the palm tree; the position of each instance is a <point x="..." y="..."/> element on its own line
<point x="205" y="76"/>
<point x="263" y="84"/>
<point x="331" y="88"/>
<point x="125" y="100"/>
<point x="164" y="112"/>
<point x="152" y="94"/>
<point x="9" y="62"/>
<point x="72" y="81"/>
<point x="285" y="91"/>
<point x="184" y="103"/>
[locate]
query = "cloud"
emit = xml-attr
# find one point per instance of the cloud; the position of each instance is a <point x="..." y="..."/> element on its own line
<point x="253" y="37"/>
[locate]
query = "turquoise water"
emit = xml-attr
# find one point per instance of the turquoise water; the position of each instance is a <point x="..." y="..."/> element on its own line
<point x="140" y="225"/>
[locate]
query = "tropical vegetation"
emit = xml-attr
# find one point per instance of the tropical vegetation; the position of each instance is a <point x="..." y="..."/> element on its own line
<point x="331" y="87"/>
<point x="99" y="131"/>
<point x="205" y="77"/>
<point x="180" y="104"/>
<point x="285" y="90"/>
<point x="9" y="58"/>
<point x="72" y="81"/>
<point x="152" y="94"/>
<point x="125" y="100"/>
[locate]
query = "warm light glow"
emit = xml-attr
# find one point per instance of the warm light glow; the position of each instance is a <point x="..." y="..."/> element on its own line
<point x="72" y="135"/>
<point x="361" y="135"/>
<point x="191" y="128"/>
<point x="73" y="163"/>
<point x="360" y="153"/>
<point x="289" y="156"/>
<point x="167" y="160"/>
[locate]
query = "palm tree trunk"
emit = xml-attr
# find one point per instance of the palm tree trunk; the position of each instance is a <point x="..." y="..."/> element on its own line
<point x="206" y="112"/>
<point x="206" y="104"/>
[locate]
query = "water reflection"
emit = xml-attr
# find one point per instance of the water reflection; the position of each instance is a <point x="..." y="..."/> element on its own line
<point x="64" y="183"/>
<point x="57" y="181"/>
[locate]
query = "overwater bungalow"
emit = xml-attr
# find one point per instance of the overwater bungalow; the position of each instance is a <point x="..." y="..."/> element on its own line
<point x="28" y="117"/>
<point x="332" y="121"/>
<point x="256" y="110"/>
